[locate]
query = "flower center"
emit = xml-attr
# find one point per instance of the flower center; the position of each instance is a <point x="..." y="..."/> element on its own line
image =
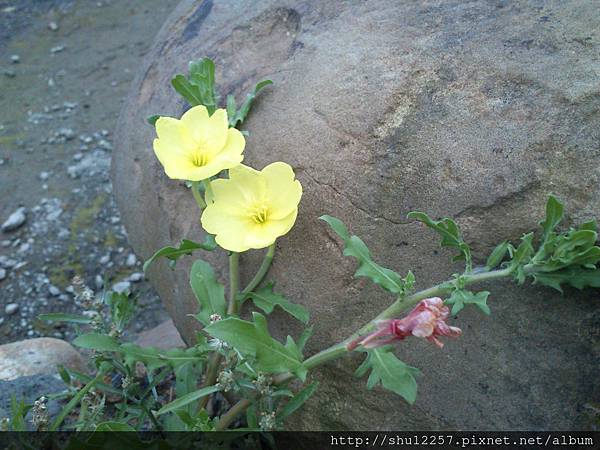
<point x="260" y="213"/>
<point x="199" y="158"/>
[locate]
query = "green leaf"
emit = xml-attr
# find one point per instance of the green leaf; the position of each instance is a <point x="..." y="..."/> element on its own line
<point x="393" y="374"/>
<point x="240" y="115"/>
<point x="521" y="256"/>
<point x="18" y="411"/>
<point x="96" y="341"/>
<point x="459" y="298"/>
<point x="187" y="90"/>
<point x="208" y="291"/>
<point x="450" y="234"/>
<point x="576" y="277"/>
<point x="304" y="337"/>
<point x="152" y="119"/>
<point x="252" y="339"/>
<point x="186" y="399"/>
<point x="186" y="247"/>
<point x="114" y="426"/>
<point x="122" y="308"/>
<point x="202" y="76"/>
<point x="63" y="317"/>
<point x="154" y="358"/>
<point x="298" y="400"/>
<point x="355" y="247"/>
<point x="497" y="256"/>
<point x="251" y="418"/>
<point x="266" y="299"/>
<point x="554" y="214"/>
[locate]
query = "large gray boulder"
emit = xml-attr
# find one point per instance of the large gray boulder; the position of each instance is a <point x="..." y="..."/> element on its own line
<point x="471" y="109"/>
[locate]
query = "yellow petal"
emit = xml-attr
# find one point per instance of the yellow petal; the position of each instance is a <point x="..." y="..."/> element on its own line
<point x="264" y="234"/>
<point x="176" y="164"/>
<point x="230" y="229"/>
<point x="209" y="132"/>
<point x="284" y="192"/>
<point x="175" y="136"/>
<point x="250" y="183"/>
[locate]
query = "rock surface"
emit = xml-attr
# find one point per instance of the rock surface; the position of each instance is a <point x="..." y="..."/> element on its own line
<point x="475" y="110"/>
<point x="37" y="356"/>
<point x="164" y="336"/>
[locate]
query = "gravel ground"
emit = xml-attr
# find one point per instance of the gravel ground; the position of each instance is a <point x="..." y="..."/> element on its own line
<point x="65" y="68"/>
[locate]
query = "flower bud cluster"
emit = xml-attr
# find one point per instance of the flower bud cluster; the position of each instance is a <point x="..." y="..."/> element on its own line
<point x="39" y="414"/>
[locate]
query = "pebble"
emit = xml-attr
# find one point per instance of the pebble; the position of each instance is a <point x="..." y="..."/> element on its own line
<point x="15" y="220"/>
<point x="9" y="73"/>
<point x="15" y="59"/>
<point x="44" y="176"/>
<point x="136" y="277"/>
<point x="57" y="49"/>
<point x="54" y="291"/>
<point x="99" y="282"/>
<point x="7" y="263"/>
<point x="53" y="26"/>
<point x="11" y="308"/>
<point x="105" y="259"/>
<point x="131" y="260"/>
<point x="2" y="274"/>
<point x="121" y="287"/>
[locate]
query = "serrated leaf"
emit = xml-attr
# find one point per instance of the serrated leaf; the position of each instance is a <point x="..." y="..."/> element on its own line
<point x="521" y="256"/>
<point x="355" y="247"/>
<point x="252" y="339"/>
<point x="459" y="298"/>
<point x="554" y="214"/>
<point x="96" y="341"/>
<point x="304" y="337"/>
<point x="393" y="374"/>
<point x="240" y="115"/>
<point x="576" y="277"/>
<point x="63" y="317"/>
<point x="207" y="290"/>
<point x="202" y="76"/>
<point x="450" y="233"/>
<point x="122" y="308"/>
<point x="298" y="400"/>
<point x="497" y="256"/>
<point x="154" y="358"/>
<point x="186" y="247"/>
<point x="266" y="299"/>
<point x="186" y="399"/>
<point x="187" y="90"/>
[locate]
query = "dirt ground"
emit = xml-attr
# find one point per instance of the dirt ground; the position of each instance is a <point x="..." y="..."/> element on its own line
<point x="65" y="69"/>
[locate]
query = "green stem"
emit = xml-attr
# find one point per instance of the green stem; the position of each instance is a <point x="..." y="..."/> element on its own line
<point x="262" y="270"/>
<point x="76" y="399"/>
<point x="339" y="349"/>
<point x="208" y="189"/>
<point x="196" y="193"/>
<point x="234" y="282"/>
<point x="234" y="287"/>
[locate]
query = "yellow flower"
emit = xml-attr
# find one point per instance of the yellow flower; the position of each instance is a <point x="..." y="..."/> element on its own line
<point x="252" y="208"/>
<point x="197" y="146"/>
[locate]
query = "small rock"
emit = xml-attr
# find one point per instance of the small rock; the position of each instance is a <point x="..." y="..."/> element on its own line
<point x="2" y="274"/>
<point x="136" y="277"/>
<point x="11" y="308"/>
<point x="104" y="260"/>
<point x="15" y="220"/>
<point x="44" y="176"/>
<point x="54" y="291"/>
<point x="57" y="49"/>
<point x="53" y="26"/>
<point x="9" y="73"/>
<point x="163" y="336"/>
<point x="15" y="59"/>
<point x="121" y="287"/>
<point x="99" y="282"/>
<point x="35" y="356"/>
<point x="131" y="260"/>
<point x="7" y="263"/>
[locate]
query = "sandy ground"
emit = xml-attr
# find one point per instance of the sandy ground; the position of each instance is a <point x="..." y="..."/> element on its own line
<point x="65" y="69"/>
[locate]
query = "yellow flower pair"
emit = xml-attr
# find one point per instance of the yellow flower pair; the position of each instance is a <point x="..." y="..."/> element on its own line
<point x="251" y="208"/>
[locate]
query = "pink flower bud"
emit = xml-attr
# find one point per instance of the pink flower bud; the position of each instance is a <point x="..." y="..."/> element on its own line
<point x="426" y="320"/>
